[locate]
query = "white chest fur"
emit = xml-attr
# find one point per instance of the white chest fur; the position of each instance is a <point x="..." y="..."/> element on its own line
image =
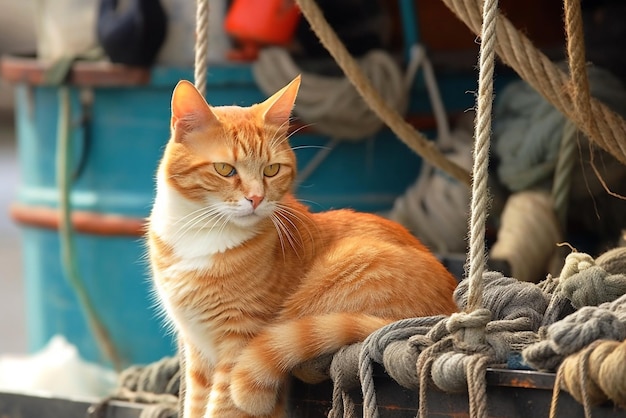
<point x="194" y="241"/>
<point x="193" y="235"/>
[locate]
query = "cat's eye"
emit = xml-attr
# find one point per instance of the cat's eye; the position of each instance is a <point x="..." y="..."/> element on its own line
<point x="271" y="170"/>
<point x="224" y="169"/>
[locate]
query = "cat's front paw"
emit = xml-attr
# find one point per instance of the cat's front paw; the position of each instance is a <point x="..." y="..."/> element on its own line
<point x="250" y="394"/>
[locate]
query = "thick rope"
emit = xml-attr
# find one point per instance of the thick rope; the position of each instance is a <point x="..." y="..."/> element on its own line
<point x="413" y="139"/>
<point x="471" y="353"/>
<point x="517" y="51"/>
<point x="579" y="83"/>
<point x="482" y="136"/>
<point x="588" y="346"/>
<point x="202" y="45"/>
<point x="463" y="363"/>
<point x="373" y="350"/>
<point x="596" y="374"/>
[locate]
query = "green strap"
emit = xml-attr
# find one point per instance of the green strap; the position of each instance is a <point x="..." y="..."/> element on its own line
<point x="68" y="253"/>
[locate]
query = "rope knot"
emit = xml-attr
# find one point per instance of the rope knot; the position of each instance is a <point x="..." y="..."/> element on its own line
<point x="468" y="329"/>
<point x="575" y="263"/>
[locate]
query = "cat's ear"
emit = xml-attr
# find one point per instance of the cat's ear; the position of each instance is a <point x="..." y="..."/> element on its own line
<point x="277" y="109"/>
<point x="189" y="110"/>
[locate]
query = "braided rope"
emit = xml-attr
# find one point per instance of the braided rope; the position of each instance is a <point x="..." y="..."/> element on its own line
<point x="482" y="136"/>
<point x="579" y="83"/>
<point x="202" y="45"/>
<point x="517" y="51"/>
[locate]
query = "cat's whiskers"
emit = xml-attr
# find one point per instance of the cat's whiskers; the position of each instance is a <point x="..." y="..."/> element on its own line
<point x="222" y="220"/>
<point x="295" y="131"/>
<point x="192" y="213"/>
<point x="310" y="146"/>
<point x="211" y="214"/>
<point x="204" y="211"/>
<point x="279" y="233"/>
<point x="276" y="137"/>
<point x="226" y="222"/>
<point x="281" y="213"/>
<point x="310" y="201"/>
<point x="278" y="140"/>
<point x="211" y="220"/>
<point x="287" y="233"/>
<point x="300" y="217"/>
<point x="205" y="215"/>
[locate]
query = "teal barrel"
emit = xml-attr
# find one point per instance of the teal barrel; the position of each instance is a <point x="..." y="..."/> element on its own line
<point x="119" y="126"/>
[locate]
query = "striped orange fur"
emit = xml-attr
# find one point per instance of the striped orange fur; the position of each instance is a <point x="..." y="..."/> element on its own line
<point x="253" y="283"/>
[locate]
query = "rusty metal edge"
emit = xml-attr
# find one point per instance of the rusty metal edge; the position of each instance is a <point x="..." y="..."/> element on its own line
<point x="83" y="221"/>
<point x="83" y="73"/>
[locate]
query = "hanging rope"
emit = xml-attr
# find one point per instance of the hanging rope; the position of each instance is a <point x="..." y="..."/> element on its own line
<point x="579" y="83"/>
<point x="202" y="45"/>
<point x="482" y="136"/>
<point x="201" y="65"/>
<point x="517" y="51"/>
<point x="407" y="134"/>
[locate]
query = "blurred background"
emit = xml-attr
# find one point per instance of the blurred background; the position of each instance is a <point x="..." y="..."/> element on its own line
<point x="17" y="36"/>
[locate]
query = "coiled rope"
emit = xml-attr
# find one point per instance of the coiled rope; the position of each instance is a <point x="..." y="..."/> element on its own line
<point x="331" y="104"/>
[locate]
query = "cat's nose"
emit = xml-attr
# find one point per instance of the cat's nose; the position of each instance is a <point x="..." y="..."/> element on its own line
<point x="255" y="200"/>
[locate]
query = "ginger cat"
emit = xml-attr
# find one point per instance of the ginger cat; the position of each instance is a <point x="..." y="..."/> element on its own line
<point x="253" y="282"/>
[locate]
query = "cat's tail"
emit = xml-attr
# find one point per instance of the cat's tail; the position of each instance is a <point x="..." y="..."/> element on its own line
<point x="265" y="363"/>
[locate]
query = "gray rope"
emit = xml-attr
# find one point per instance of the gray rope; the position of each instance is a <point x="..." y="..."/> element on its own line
<point x="576" y="331"/>
<point x="373" y="348"/>
<point x="157" y="385"/>
<point x="563" y="171"/>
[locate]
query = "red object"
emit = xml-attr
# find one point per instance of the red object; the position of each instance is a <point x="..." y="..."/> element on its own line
<point x="262" y="22"/>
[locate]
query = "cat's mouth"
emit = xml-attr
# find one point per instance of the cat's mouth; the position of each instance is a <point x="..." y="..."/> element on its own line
<point x="247" y="219"/>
